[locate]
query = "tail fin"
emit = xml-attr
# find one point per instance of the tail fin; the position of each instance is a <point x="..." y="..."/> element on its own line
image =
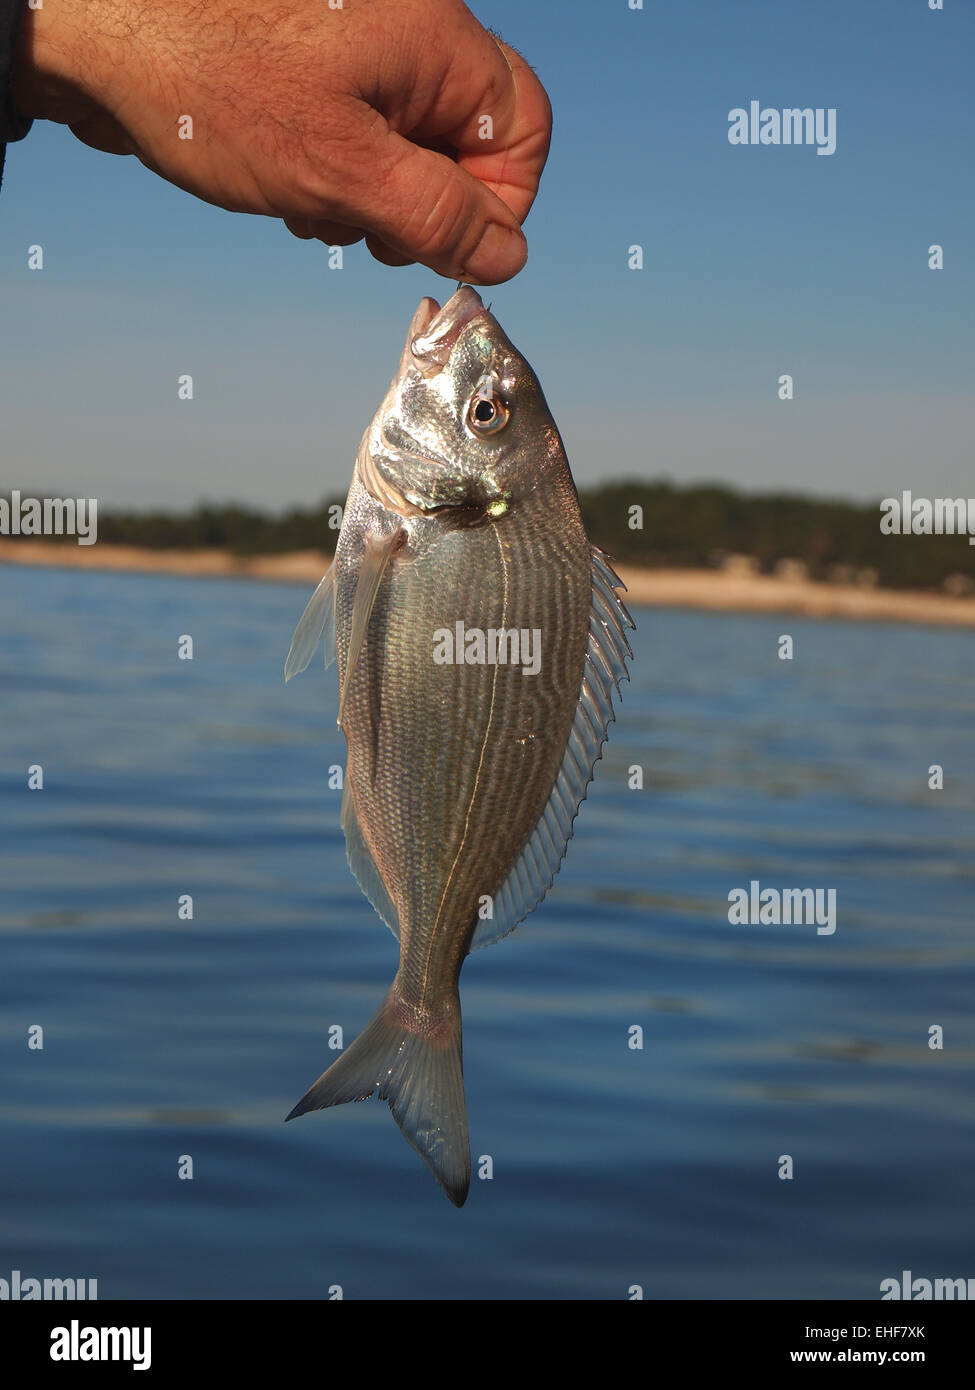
<point x="421" y="1074"/>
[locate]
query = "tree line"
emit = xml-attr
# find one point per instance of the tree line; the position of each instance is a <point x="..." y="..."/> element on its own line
<point x="654" y="524"/>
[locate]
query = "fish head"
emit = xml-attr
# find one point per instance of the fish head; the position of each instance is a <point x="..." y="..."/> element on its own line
<point x="464" y="430"/>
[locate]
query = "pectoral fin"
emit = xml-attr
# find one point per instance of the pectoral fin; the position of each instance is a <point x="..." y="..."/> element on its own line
<point x="375" y="561"/>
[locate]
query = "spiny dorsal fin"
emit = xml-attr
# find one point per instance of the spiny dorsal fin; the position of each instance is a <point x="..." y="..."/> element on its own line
<point x="533" y="872"/>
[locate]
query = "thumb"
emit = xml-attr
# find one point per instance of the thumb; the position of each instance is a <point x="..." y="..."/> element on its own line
<point x="421" y="204"/>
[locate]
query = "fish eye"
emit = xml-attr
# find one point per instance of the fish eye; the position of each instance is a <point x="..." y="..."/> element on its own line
<point x="487" y="414"/>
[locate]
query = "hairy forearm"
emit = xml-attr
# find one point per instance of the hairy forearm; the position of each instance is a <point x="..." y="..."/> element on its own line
<point x="55" y="57"/>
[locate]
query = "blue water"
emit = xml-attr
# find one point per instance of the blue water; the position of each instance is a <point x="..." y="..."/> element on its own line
<point x="612" y="1166"/>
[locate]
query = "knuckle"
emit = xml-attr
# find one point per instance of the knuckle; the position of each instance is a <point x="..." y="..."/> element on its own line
<point x="442" y="220"/>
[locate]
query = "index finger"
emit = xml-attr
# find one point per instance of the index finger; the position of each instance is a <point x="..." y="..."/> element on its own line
<point x="489" y="113"/>
<point x="511" y="163"/>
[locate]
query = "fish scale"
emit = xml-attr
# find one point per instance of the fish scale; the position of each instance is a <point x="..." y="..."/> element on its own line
<point x="455" y="721"/>
<point x="463" y="778"/>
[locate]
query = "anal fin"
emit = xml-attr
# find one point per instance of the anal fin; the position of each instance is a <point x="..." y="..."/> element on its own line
<point x="363" y="865"/>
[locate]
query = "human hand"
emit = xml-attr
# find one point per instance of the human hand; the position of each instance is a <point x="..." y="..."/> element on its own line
<point x="361" y="121"/>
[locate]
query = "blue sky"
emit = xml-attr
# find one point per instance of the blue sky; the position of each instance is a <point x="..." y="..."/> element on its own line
<point x="757" y="261"/>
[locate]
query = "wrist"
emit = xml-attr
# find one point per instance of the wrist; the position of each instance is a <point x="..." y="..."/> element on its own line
<point x="55" y="61"/>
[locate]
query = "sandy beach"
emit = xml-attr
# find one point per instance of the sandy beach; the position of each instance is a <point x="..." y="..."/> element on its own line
<point x="662" y="588"/>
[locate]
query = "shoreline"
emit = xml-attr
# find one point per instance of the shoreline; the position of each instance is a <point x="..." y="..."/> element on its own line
<point x="706" y="589"/>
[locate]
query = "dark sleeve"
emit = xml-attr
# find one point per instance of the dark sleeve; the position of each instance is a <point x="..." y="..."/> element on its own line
<point x="12" y="124"/>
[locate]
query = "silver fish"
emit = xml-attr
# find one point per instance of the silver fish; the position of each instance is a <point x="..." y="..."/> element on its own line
<point x="479" y="639"/>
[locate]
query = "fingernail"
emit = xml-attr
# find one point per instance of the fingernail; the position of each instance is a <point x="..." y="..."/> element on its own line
<point x="501" y="253"/>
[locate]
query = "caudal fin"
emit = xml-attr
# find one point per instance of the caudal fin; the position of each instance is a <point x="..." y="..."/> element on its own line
<point x="421" y="1075"/>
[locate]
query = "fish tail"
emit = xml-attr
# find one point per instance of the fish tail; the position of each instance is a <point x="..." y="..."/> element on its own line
<point x="416" y="1061"/>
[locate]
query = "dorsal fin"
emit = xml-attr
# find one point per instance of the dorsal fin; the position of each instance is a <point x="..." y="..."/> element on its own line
<point x="533" y="872"/>
<point x="317" y="621"/>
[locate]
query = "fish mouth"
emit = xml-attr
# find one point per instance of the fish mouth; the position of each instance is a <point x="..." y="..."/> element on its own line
<point x="433" y="335"/>
<point x="434" y="331"/>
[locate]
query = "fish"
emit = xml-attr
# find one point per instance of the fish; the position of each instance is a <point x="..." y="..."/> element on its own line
<point x="480" y="640"/>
